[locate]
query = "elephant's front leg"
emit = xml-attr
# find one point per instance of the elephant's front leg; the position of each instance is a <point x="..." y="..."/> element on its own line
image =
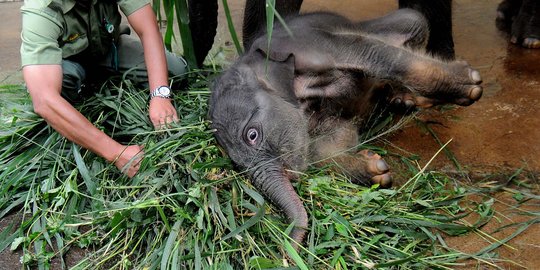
<point x="434" y="82"/>
<point x="428" y="81"/>
<point x="378" y="53"/>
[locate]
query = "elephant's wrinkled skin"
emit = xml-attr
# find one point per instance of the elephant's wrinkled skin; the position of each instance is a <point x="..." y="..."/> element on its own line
<point x="303" y="98"/>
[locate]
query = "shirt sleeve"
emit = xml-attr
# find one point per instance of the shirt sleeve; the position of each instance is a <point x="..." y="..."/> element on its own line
<point x="129" y="6"/>
<point x="39" y="36"/>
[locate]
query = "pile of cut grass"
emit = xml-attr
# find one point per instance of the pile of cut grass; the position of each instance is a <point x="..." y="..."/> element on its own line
<point x="189" y="209"/>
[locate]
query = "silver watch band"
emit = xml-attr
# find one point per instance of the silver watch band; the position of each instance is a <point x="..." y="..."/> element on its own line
<point x="162" y="91"/>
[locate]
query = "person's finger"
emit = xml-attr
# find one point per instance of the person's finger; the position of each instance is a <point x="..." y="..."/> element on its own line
<point x="155" y="122"/>
<point x="174" y="116"/>
<point x="136" y="167"/>
<point x="162" y="123"/>
<point x="170" y="120"/>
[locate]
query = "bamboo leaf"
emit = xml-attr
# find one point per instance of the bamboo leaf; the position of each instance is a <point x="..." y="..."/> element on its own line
<point x="230" y="26"/>
<point x="170" y="245"/>
<point x="293" y="254"/>
<point x="253" y="220"/>
<point x="83" y="170"/>
<point x="182" y="17"/>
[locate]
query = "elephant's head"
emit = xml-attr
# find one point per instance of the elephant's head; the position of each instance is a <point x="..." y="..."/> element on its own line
<point x="257" y="120"/>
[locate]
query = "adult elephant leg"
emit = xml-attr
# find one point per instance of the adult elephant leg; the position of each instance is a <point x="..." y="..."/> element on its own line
<point x="522" y="19"/>
<point x="439" y="16"/>
<point x="255" y="17"/>
<point x="203" y="21"/>
<point x="507" y="10"/>
<point x="526" y="25"/>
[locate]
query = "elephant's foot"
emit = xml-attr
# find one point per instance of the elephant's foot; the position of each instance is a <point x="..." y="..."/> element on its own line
<point x="376" y="168"/>
<point x="434" y="82"/>
<point x="523" y="18"/>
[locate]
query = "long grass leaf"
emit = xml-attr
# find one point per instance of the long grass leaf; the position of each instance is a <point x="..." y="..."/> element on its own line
<point x="182" y="14"/>
<point x="230" y="26"/>
<point x="91" y="186"/>
<point x="170" y="245"/>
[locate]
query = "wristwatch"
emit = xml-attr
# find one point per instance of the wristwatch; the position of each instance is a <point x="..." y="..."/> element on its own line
<point x="162" y="92"/>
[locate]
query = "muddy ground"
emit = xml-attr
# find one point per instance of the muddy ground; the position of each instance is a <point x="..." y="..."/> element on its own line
<point x="496" y="136"/>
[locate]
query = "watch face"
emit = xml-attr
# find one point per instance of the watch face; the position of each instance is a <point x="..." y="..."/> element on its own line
<point x="164" y="90"/>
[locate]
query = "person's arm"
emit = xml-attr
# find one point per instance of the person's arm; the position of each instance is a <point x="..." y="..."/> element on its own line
<point x="144" y="23"/>
<point x="44" y="83"/>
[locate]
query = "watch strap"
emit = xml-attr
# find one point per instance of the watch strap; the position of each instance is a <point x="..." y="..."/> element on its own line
<point x="157" y="93"/>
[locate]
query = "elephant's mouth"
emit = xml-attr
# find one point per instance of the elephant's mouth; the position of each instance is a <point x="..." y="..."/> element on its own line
<point x="293" y="165"/>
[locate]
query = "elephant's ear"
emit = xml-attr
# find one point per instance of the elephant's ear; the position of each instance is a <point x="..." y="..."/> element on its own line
<point x="276" y="70"/>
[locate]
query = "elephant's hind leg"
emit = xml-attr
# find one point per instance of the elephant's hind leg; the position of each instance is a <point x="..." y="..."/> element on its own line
<point x="335" y="145"/>
<point x="364" y="167"/>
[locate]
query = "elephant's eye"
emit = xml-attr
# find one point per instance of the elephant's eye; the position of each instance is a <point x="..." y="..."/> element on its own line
<point x="252" y="135"/>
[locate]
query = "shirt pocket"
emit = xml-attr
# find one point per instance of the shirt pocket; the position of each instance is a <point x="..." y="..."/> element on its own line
<point x="74" y="39"/>
<point x="74" y="44"/>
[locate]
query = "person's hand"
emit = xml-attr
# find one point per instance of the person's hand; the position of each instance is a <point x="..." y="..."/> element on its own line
<point x="162" y="112"/>
<point x="129" y="160"/>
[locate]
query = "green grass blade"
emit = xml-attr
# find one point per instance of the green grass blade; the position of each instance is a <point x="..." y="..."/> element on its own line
<point x="230" y="26"/>
<point x="293" y="254"/>
<point x="91" y="186"/>
<point x="182" y="17"/>
<point x="170" y="245"/>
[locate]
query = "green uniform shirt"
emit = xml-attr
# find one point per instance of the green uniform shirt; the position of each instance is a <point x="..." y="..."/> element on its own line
<point x="53" y="30"/>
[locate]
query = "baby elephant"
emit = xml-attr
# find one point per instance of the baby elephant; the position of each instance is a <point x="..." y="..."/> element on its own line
<point x="302" y="97"/>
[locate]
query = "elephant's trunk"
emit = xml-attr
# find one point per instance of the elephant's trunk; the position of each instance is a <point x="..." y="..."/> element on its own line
<point x="272" y="181"/>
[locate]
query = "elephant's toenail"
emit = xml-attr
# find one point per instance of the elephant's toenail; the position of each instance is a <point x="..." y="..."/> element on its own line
<point x="382" y="166"/>
<point x="386" y="181"/>
<point x="513" y="40"/>
<point x="475" y="76"/>
<point x="464" y="101"/>
<point x="476" y="93"/>
<point x="532" y="43"/>
<point x="409" y="103"/>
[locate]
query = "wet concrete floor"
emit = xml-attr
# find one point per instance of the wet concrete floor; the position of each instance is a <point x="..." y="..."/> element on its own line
<point x="501" y="132"/>
<point x="10" y="29"/>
